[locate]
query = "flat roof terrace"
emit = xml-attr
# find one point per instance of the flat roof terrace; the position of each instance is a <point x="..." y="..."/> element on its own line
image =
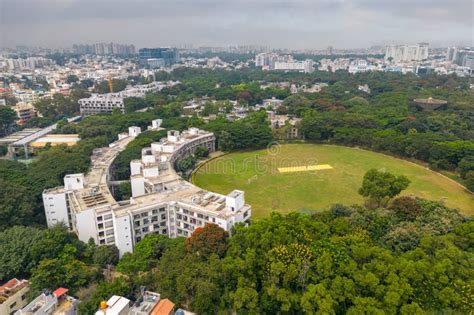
<point x="29" y="135"/>
<point x="17" y="136"/>
<point x="184" y="194"/>
<point x="102" y="159"/>
<point x="96" y="192"/>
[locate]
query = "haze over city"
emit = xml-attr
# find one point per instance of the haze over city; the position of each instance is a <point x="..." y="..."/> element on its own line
<point x="300" y="24"/>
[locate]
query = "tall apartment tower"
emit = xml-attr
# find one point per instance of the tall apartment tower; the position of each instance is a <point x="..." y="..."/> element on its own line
<point x="405" y="53"/>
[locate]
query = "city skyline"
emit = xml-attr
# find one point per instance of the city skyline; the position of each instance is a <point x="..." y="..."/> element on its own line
<point x="297" y="24"/>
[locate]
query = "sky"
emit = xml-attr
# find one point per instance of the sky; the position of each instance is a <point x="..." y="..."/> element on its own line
<point x="297" y="24"/>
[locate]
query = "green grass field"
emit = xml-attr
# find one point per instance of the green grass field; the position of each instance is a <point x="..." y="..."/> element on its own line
<point x="268" y="190"/>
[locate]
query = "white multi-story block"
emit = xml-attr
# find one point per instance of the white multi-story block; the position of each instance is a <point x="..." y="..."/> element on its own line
<point x="399" y="53"/>
<point x="302" y="66"/>
<point x="107" y="103"/>
<point x="266" y="60"/>
<point x="162" y="202"/>
<point x="101" y="103"/>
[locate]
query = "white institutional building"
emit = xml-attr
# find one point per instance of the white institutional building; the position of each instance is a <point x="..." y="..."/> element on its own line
<point x="108" y="102"/>
<point x="162" y="202"/>
<point x="293" y="65"/>
<point x="272" y="61"/>
<point x="399" y="53"/>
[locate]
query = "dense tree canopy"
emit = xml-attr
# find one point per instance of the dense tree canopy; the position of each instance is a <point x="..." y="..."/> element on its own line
<point x="348" y="260"/>
<point x="22" y="248"/>
<point x="7" y="117"/>
<point x="59" y="105"/>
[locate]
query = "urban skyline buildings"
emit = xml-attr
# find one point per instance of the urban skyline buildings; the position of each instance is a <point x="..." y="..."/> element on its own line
<point x="274" y="61"/>
<point x="158" y="57"/>
<point x="104" y="49"/>
<point x="461" y="56"/>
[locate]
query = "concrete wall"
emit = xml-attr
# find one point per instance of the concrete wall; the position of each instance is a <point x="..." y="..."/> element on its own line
<point x="55" y="208"/>
<point x="135" y="167"/>
<point x="123" y="234"/>
<point x="235" y="200"/>
<point x="86" y="225"/>
<point x="74" y="181"/>
<point x="15" y="302"/>
<point x="138" y="186"/>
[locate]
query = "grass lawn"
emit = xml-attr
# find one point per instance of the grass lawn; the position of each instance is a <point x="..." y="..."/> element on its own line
<point x="267" y="190"/>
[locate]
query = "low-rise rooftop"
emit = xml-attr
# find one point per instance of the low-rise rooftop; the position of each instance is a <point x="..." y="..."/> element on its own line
<point x="10" y="287"/>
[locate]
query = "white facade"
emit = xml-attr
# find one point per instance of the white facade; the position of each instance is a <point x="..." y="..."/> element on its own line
<point x="360" y="65"/>
<point x="162" y="202"/>
<point x="134" y="131"/>
<point x="14" y="295"/>
<point x="302" y="66"/>
<point x="266" y="60"/>
<point x="155" y="124"/>
<point x="399" y="53"/>
<point x="101" y="103"/>
<point x="55" y="208"/>
<point x="106" y="103"/>
<point x="74" y="181"/>
<point x="116" y="305"/>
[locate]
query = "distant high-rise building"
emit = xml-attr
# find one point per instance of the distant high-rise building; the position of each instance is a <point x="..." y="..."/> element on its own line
<point x="158" y="56"/>
<point x="463" y="57"/>
<point x="273" y="61"/>
<point x="399" y="53"/>
<point x="301" y="66"/>
<point x="451" y="53"/>
<point x="469" y="60"/>
<point x="103" y="49"/>
<point x="266" y="60"/>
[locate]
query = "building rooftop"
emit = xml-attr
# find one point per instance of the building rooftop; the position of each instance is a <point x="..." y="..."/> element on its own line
<point x="185" y="194"/>
<point x="429" y="103"/>
<point x="18" y="135"/>
<point x="115" y="306"/>
<point x="429" y="100"/>
<point x="45" y="303"/>
<point x="28" y="135"/>
<point x="164" y="307"/>
<point x="145" y="304"/>
<point x="96" y="192"/>
<point x="10" y="287"/>
<point x="60" y="292"/>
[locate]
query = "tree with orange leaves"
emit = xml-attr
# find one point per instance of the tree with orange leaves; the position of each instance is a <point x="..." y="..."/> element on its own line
<point x="207" y="240"/>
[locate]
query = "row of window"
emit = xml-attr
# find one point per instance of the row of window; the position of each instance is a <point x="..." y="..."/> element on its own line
<point x="106" y="224"/>
<point x="146" y="214"/>
<point x="108" y="232"/>
<point x="146" y="229"/>
<point x="191" y="220"/>
<point x="108" y="241"/>
<point x="104" y="218"/>
<point x="182" y="232"/>
<point x="163" y="231"/>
